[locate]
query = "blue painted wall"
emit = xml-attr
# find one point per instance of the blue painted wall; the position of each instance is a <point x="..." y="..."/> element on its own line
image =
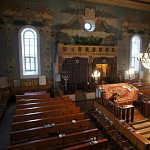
<point x="3" y="54"/>
<point x="61" y="18"/>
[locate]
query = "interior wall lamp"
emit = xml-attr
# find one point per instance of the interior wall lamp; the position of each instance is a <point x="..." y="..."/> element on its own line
<point x="129" y="73"/>
<point x="96" y="75"/>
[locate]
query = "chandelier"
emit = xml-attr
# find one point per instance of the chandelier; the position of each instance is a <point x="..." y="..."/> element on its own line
<point x="144" y="58"/>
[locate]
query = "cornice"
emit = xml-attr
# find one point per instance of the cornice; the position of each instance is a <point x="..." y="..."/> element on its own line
<point x="134" y="4"/>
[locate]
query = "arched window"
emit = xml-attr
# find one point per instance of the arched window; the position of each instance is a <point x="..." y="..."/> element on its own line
<point x="29" y="49"/>
<point x="135" y="49"/>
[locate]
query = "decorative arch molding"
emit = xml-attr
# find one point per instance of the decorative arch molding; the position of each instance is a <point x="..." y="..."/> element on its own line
<point x="131" y="27"/>
<point x="28" y="11"/>
<point x="18" y="13"/>
<point x="129" y="24"/>
<point x="101" y="28"/>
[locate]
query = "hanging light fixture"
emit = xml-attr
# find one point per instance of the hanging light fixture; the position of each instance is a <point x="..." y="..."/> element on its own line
<point x="144" y="58"/>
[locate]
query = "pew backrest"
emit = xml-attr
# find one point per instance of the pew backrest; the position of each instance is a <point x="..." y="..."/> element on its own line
<point x="26" y="101"/>
<point x="46" y="114"/>
<point x="92" y="145"/>
<point x="57" y="142"/>
<point x="39" y="104"/>
<point x="43" y="108"/>
<point x="49" y="130"/>
<point x="38" y="96"/>
<point x="41" y="122"/>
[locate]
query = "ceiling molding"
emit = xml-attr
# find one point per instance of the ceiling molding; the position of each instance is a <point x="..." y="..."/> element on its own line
<point x="134" y="4"/>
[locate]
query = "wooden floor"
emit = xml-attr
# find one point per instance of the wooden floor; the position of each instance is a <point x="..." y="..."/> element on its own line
<point x="137" y="115"/>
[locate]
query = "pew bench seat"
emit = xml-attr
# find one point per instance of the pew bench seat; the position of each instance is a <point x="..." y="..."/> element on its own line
<point x="44" y="108"/>
<point x="92" y="145"/>
<point x="41" y="122"/>
<point x="41" y="104"/>
<point x="48" y="130"/>
<point x="36" y="96"/>
<point x="46" y="114"/>
<point x="50" y="100"/>
<point x="57" y="142"/>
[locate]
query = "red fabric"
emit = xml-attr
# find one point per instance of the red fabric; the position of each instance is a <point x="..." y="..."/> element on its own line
<point x="126" y="93"/>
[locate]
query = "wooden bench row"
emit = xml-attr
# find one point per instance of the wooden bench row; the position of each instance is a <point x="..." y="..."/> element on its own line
<point x="44" y="108"/>
<point x="145" y="91"/>
<point x="30" y="96"/>
<point x="57" y="142"/>
<point x="46" y="114"/>
<point x="40" y="104"/>
<point x="92" y="145"/>
<point x="51" y="123"/>
<point x="111" y="130"/>
<point x="41" y="122"/>
<point x="26" y="101"/>
<point x="47" y="131"/>
<point x="137" y="139"/>
<point x="143" y="128"/>
<point x="141" y="125"/>
<point x="147" y="136"/>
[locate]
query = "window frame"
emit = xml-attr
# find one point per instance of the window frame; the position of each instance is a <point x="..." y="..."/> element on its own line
<point x="136" y="62"/>
<point x="34" y="75"/>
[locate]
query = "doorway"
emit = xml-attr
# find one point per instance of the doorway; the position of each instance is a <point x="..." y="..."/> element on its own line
<point x="105" y="71"/>
<point x="107" y="67"/>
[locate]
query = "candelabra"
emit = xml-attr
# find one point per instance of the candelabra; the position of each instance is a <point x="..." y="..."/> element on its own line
<point x="65" y="77"/>
<point x="96" y="75"/>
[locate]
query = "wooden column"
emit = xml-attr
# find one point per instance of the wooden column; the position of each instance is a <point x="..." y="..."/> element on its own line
<point x="127" y="115"/>
<point x="90" y="71"/>
<point x="123" y="113"/>
<point x="127" y="112"/>
<point x="132" y="114"/>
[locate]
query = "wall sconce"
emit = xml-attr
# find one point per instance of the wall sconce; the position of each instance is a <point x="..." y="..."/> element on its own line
<point x="96" y="75"/>
<point x="130" y="72"/>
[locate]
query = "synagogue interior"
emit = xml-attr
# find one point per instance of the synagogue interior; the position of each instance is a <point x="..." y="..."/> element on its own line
<point x="74" y="75"/>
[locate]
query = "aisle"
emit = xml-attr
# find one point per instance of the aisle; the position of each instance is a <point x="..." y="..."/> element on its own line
<point x="5" y="126"/>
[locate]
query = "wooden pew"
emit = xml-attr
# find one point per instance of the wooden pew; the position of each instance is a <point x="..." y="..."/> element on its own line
<point x="26" y="101"/>
<point x="144" y="130"/>
<point x="45" y="131"/>
<point x="92" y="145"/>
<point x="57" y="142"/>
<point x="44" y="108"/>
<point x="147" y="136"/>
<point x="140" y="121"/>
<point x="46" y="114"/>
<point x="141" y="125"/>
<point x="41" y="122"/>
<point x="38" y="96"/>
<point x="137" y="139"/>
<point x="140" y="141"/>
<point x="39" y="104"/>
<point x="145" y="91"/>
